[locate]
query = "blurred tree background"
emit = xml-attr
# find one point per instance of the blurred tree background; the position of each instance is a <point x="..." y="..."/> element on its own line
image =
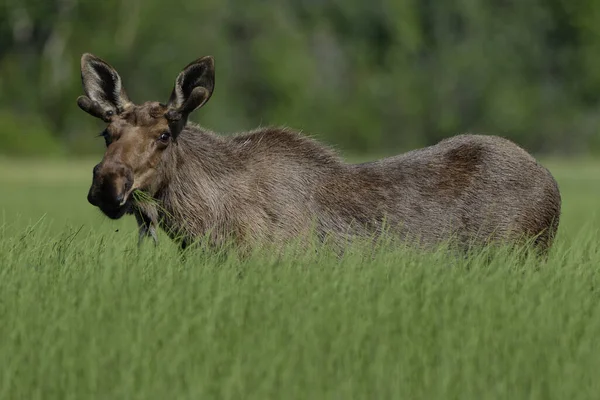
<point x="377" y="76"/>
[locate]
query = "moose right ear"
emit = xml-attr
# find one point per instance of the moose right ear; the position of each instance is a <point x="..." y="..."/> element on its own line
<point x="105" y="95"/>
<point x="193" y="87"/>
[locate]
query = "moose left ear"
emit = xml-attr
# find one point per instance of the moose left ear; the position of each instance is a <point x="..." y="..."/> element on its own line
<point x="193" y="87"/>
<point x="105" y="95"/>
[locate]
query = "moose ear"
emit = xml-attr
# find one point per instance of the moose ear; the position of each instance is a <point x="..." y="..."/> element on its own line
<point x="193" y="87"/>
<point x="105" y="95"/>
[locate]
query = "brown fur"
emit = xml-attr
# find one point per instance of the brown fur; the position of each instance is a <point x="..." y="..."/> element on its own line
<point x="274" y="184"/>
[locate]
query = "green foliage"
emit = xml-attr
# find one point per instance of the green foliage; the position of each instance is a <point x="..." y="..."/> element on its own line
<point x="87" y="316"/>
<point x="26" y="135"/>
<point x="366" y="76"/>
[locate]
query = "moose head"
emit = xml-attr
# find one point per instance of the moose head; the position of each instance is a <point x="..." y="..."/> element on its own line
<point x="137" y="136"/>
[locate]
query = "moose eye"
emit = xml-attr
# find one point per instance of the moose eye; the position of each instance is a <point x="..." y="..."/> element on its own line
<point x="164" y="137"/>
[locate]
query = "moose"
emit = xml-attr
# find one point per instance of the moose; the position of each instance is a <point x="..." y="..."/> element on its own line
<point x="274" y="184"/>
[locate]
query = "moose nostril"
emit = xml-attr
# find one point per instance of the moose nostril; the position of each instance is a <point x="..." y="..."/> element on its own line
<point x="128" y="185"/>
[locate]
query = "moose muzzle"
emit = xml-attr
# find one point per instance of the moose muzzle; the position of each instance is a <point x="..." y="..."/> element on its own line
<point x="111" y="187"/>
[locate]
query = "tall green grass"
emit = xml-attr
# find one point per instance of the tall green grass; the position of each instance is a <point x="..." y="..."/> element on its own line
<point x="85" y="313"/>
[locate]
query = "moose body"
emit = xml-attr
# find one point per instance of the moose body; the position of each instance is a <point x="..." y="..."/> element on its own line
<point x="275" y="184"/>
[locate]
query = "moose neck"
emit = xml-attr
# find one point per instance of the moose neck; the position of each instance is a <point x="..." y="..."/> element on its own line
<point x="198" y="154"/>
<point x="194" y="174"/>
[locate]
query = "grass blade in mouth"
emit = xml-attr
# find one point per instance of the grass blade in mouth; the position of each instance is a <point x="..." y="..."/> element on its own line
<point x="142" y="197"/>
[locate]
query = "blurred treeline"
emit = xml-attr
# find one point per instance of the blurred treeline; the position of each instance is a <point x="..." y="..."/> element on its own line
<point x="375" y="76"/>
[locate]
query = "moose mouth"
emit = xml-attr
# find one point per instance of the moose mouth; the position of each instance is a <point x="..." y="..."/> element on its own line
<point x="112" y="210"/>
<point x="117" y="212"/>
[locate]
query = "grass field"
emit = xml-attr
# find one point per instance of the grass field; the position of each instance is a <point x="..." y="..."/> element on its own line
<point x="84" y="314"/>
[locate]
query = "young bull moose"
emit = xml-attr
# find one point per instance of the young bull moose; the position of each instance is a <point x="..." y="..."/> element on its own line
<point x="275" y="184"/>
